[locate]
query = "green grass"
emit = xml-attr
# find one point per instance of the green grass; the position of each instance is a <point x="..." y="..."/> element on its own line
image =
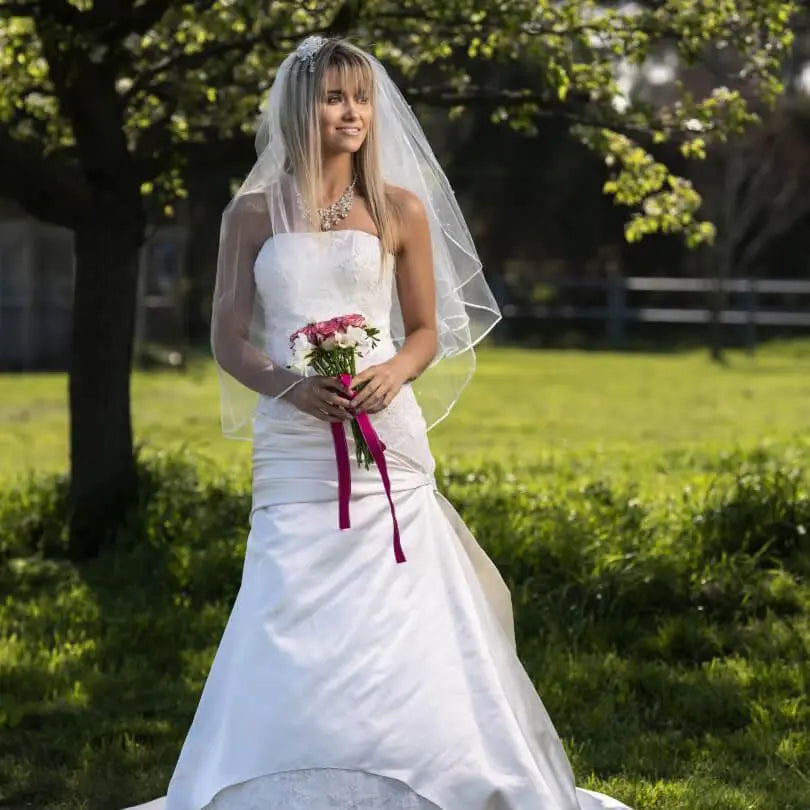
<point x="522" y="404"/>
<point x="651" y="515"/>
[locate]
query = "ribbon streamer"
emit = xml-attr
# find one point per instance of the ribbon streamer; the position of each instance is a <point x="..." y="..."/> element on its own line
<point x="344" y="474"/>
<point x="377" y="449"/>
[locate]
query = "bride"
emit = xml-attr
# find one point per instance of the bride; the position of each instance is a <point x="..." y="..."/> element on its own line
<point x="372" y="666"/>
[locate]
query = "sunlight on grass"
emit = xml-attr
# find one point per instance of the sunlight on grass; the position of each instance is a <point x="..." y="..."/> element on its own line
<point x="521" y="405"/>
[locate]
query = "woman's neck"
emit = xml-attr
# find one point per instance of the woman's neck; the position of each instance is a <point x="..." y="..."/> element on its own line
<point x="337" y="173"/>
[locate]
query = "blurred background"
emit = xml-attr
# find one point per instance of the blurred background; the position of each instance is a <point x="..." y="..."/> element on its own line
<point x="633" y="451"/>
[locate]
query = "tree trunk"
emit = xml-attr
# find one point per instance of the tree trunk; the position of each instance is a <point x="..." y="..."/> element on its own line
<point x="103" y="479"/>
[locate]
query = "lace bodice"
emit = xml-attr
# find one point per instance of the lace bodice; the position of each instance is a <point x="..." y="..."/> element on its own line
<point x="304" y="277"/>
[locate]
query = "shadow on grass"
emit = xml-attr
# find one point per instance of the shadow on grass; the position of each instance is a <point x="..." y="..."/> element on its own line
<point x="108" y="658"/>
<point x="669" y="640"/>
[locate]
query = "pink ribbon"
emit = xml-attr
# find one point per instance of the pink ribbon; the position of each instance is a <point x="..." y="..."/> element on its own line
<point x="377" y="448"/>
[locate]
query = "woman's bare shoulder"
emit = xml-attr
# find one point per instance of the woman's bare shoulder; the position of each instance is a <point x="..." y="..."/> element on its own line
<point x="409" y="216"/>
<point x="406" y="203"/>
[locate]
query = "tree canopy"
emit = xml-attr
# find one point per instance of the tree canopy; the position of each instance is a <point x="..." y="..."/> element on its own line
<point x="185" y="79"/>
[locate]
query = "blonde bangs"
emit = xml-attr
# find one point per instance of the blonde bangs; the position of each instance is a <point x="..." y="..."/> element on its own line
<point x="354" y="73"/>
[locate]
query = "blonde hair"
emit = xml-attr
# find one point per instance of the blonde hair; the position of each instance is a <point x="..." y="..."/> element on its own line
<point x="300" y="130"/>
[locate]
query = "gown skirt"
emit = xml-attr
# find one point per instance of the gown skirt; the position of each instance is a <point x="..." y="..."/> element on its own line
<point x="347" y="680"/>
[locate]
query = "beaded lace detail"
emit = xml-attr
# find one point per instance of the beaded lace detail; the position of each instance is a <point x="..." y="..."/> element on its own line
<point x="320" y="789"/>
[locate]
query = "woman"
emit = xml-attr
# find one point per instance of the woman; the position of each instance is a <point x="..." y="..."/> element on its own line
<point x="349" y="676"/>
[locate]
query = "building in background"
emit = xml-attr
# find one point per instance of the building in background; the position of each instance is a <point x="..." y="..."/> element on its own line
<point x="36" y="292"/>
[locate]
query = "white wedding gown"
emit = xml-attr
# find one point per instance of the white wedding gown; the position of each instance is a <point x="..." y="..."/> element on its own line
<point x="345" y="680"/>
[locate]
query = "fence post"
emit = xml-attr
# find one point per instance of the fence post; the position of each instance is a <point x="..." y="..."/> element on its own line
<point x="616" y="306"/>
<point x="750" y="297"/>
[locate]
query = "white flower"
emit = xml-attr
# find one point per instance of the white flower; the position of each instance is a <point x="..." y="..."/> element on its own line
<point x="358" y="337"/>
<point x="329" y="343"/>
<point x="300" y="344"/>
<point x="344" y="339"/>
<point x="300" y="362"/>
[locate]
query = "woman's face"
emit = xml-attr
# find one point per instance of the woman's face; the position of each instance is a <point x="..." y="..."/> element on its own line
<point x="345" y="114"/>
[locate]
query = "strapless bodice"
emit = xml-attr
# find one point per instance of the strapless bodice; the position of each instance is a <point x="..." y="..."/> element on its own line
<point x="304" y="277"/>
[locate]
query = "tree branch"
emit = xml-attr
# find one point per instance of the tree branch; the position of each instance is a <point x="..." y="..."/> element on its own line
<point x="50" y="187"/>
<point x="207" y="153"/>
<point x="783" y="212"/>
<point x="141" y="18"/>
<point x="189" y="61"/>
<point x="548" y="106"/>
<point x="53" y="10"/>
<point x="20" y="8"/>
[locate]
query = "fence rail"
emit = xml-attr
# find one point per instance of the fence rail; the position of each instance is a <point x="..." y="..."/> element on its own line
<point x="616" y="313"/>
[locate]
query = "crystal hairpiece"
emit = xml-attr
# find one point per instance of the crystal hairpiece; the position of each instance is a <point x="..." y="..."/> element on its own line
<point x="308" y="49"/>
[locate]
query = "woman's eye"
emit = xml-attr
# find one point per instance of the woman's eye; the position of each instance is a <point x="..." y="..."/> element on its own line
<point x="361" y="98"/>
<point x="333" y="100"/>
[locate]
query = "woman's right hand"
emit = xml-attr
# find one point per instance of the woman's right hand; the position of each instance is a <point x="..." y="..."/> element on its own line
<point x="325" y="398"/>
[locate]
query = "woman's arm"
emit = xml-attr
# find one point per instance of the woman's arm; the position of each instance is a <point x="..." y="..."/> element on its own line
<point x="245" y="229"/>
<point x="417" y="299"/>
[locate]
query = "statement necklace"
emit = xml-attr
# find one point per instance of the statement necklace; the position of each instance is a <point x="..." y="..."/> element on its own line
<point x="330" y="215"/>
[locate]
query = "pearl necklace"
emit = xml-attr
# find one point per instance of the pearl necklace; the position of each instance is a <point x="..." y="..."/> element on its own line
<point x="330" y="215"/>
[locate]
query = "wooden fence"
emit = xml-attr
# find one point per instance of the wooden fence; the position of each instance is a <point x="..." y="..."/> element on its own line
<point x="752" y="300"/>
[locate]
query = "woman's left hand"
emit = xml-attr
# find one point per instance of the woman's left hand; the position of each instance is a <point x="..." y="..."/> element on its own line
<point x="383" y="383"/>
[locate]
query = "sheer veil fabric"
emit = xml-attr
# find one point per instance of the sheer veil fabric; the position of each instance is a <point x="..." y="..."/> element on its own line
<point x="266" y="205"/>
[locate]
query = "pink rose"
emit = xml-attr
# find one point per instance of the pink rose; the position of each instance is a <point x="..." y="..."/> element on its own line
<point x="319" y="331"/>
<point x="327" y="328"/>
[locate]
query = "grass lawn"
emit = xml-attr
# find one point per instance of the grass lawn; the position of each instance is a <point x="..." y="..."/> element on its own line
<point x="650" y="513"/>
<point x="664" y="411"/>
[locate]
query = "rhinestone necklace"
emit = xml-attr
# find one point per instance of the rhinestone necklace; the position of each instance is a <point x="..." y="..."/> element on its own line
<point x="330" y="215"/>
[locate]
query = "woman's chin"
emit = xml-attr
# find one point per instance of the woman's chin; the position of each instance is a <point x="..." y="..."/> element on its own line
<point x="343" y="148"/>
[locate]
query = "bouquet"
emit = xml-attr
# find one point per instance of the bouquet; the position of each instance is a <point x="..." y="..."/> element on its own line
<point x="331" y="348"/>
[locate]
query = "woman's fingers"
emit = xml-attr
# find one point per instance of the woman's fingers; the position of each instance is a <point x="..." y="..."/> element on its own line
<point x="330" y="413"/>
<point x="333" y="405"/>
<point x="329" y="400"/>
<point x="364" y="397"/>
<point x="331" y="392"/>
<point x="337" y="400"/>
<point x="325" y="398"/>
<point x="363" y="376"/>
